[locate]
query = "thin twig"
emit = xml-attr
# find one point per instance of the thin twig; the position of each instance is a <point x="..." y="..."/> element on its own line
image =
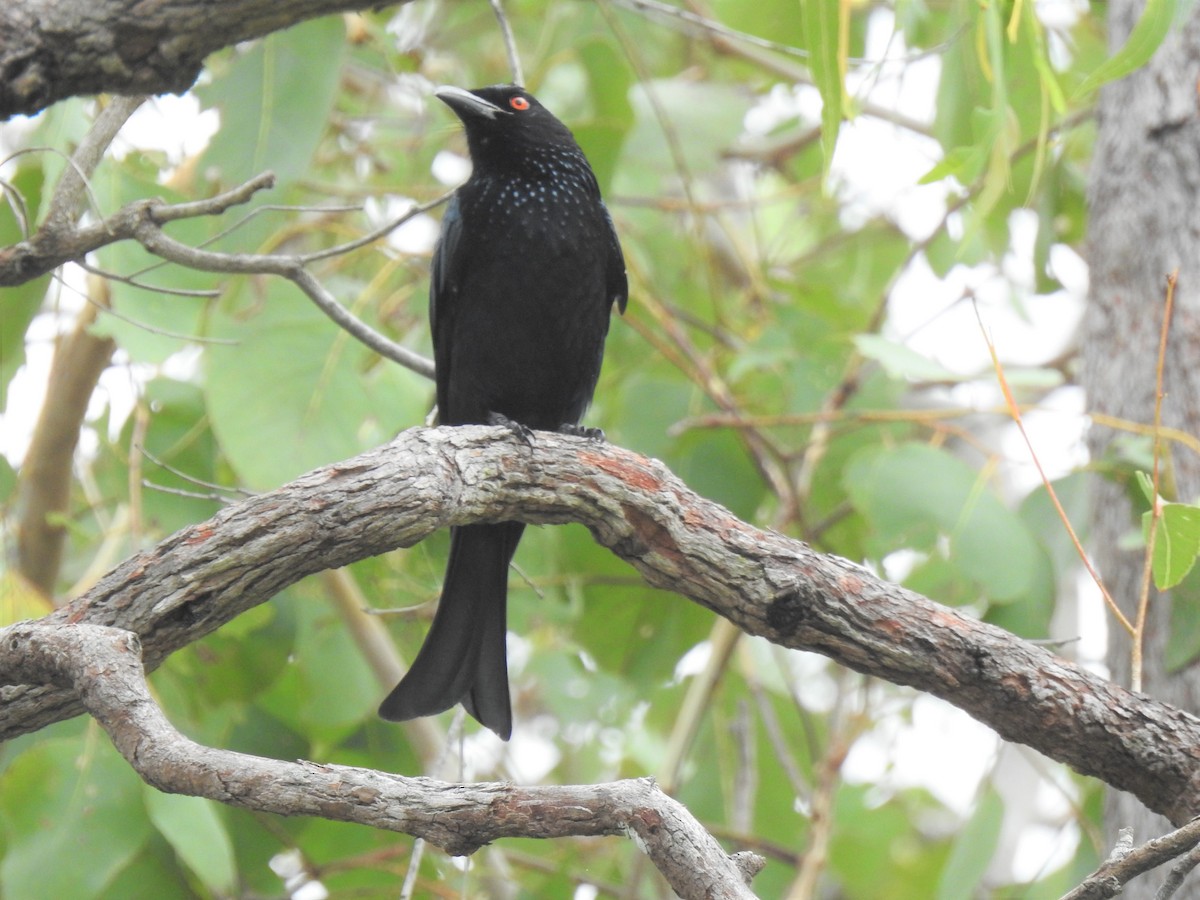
<point x="154" y="239"/>
<point x="1135" y="677"/>
<point x="1015" y="411"/>
<point x="1180" y="871"/>
<point x="73" y="187"/>
<point x="142" y="220"/>
<point x="382" y="231"/>
<point x="1127" y="862"/>
<point x="510" y="44"/>
<point x="191" y="479"/>
<point x="453" y="736"/>
<point x="214" y="497"/>
<point x="723" y="638"/>
<point x="190" y="293"/>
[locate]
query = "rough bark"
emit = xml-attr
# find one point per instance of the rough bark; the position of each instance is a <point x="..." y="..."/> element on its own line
<point x="1144" y="223"/>
<point x="460" y="818"/>
<point x="53" y="49"/>
<point x="763" y="582"/>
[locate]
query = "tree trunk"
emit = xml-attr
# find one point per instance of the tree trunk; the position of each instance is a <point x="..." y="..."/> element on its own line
<point x="1144" y="225"/>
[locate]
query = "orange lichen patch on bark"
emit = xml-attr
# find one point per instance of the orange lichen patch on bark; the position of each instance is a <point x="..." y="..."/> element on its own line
<point x="1015" y="685"/>
<point x="945" y="618"/>
<point x="647" y="821"/>
<point x="199" y="534"/>
<point x="892" y="627"/>
<point x="632" y="475"/>
<point x="652" y="534"/>
<point x="708" y="517"/>
<point x="850" y="585"/>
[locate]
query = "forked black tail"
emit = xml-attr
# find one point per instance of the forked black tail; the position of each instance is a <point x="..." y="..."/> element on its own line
<point x="464" y="659"/>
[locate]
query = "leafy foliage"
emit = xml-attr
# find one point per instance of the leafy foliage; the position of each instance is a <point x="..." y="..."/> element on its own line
<point x="762" y="358"/>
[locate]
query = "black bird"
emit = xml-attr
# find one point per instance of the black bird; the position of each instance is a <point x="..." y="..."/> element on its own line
<point x="521" y="291"/>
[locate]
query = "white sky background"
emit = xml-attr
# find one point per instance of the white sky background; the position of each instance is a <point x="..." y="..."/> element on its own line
<point x="875" y="170"/>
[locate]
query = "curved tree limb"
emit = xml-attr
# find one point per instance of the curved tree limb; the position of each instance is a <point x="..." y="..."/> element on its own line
<point x="763" y="582"/>
<point x="102" y="666"/>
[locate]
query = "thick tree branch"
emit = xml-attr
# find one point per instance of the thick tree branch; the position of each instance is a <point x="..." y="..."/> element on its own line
<point x="763" y="582"/>
<point x="102" y="666"/>
<point x="53" y="49"/>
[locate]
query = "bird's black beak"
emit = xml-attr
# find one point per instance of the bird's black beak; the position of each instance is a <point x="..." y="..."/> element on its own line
<point x="464" y="103"/>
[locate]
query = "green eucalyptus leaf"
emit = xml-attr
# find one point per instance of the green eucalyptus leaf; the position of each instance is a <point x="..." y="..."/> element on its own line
<point x="193" y="828"/>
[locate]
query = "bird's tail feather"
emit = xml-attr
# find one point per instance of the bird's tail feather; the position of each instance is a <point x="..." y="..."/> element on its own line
<point x="464" y="658"/>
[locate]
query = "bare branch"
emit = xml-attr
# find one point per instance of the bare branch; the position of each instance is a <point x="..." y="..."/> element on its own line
<point x="763" y="582"/>
<point x="71" y="190"/>
<point x="510" y="44"/>
<point x="292" y="268"/>
<point x="142" y="220"/>
<point x="56" y="243"/>
<point x="1124" y="864"/>
<point x="102" y="666"/>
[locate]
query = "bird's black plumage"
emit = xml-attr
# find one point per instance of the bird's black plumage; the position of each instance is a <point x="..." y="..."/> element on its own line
<point x="523" y="282"/>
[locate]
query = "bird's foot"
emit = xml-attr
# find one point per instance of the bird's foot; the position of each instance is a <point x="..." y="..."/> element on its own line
<point x="522" y="432"/>
<point x="592" y="434"/>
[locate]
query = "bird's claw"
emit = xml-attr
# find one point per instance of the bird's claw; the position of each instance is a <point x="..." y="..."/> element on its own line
<point x="592" y="434"/>
<point x="522" y="432"/>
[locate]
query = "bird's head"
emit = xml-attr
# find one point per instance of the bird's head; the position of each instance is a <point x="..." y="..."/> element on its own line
<point x="504" y="119"/>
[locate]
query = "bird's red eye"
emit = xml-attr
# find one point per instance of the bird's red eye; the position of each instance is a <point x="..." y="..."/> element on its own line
<point x="520" y="104"/>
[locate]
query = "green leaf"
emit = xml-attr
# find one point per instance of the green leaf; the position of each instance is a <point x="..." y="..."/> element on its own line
<point x="703" y="119"/>
<point x="915" y="491"/>
<point x="72" y="819"/>
<point x="275" y="101"/>
<point x="147" y="325"/>
<point x="1183" y="638"/>
<point x="1146" y="483"/>
<point x="608" y="85"/>
<point x="875" y="846"/>
<point x="1151" y="28"/>
<point x="1176" y="543"/>
<point x="1041" y="518"/>
<point x="304" y="697"/>
<point x="294" y="392"/>
<point x="20" y="303"/>
<point x="900" y="361"/>
<point x="964" y="163"/>
<point x="971" y="853"/>
<point x="822" y="22"/>
<point x="193" y="828"/>
<point x="8" y="480"/>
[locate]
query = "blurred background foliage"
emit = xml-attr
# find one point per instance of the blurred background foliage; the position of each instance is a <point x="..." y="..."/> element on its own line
<point x="811" y="197"/>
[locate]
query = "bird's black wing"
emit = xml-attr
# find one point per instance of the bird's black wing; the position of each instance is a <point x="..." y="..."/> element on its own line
<point x="616" y="283"/>
<point x="443" y="289"/>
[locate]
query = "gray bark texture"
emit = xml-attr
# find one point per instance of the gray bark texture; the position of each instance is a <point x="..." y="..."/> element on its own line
<point x="1144" y="202"/>
<point x="763" y="582"/>
<point x="102" y="666"/>
<point x="53" y="49"/>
